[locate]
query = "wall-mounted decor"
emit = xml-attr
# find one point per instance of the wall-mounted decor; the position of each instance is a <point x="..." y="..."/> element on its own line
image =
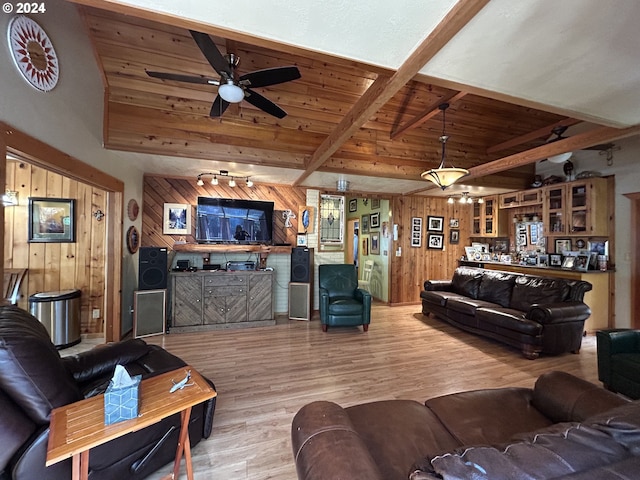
<point x="133" y="239"/>
<point x="365" y="246"/>
<point x="364" y="224"/>
<point x="454" y="236"/>
<point x="435" y="224"/>
<point x="353" y="205"/>
<point x="374" y="220"/>
<point x="52" y="220"/>
<point x="375" y="244"/>
<point x="563" y="245"/>
<point x="375" y="203"/>
<point x="436" y="240"/>
<point x="331" y="219"/>
<point x="133" y="209"/>
<point x="306" y="219"/>
<point x="454" y="223"/>
<point x="176" y="219"/>
<point x="302" y="240"/>
<point x="416" y="232"/>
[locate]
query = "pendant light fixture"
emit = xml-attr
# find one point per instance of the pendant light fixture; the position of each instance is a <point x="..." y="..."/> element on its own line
<point x="443" y="176"/>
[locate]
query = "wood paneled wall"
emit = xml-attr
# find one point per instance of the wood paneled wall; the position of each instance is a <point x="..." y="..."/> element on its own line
<point x="417" y="264"/>
<point x="58" y="266"/>
<point x="160" y="190"/>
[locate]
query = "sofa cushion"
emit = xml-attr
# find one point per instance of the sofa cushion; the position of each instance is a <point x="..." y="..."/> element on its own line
<point x="438" y="297"/>
<point x="468" y="306"/>
<point x="529" y="290"/>
<point x="509" y="319"/>
<point x="31" y="371"/>
<point x="466" y="281"/>
<point x="496" y="287"/>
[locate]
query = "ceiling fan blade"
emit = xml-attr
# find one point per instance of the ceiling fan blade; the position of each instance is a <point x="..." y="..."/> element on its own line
<point x="219" y="107"/>
<point x="264" y="104"/>
<point x="183" y="78"/>
<point x="270" y="76"/>
<point x="603" y="147"/>
<point x="211" y="53"/>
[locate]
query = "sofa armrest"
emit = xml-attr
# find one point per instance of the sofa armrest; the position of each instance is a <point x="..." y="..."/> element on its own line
<point x="560" y="312"/>
<point x="102" y="360"/>
<point x="326" y="445"/>
<point x="563" y="397"/>
<point x="440" y="285"/>
<point x="618" y="340"/>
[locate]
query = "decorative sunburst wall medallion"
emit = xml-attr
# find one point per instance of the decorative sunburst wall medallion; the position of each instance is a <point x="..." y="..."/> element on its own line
<point x="33" y="53"/>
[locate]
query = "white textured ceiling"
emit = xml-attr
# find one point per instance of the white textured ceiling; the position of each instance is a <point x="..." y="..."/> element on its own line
<point x="580" y="58"/>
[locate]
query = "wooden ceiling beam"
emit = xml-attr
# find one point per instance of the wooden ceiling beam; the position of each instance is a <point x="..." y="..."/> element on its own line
<point x="429" y="112"/>
<point x="528" y="137"/>
<point x="383" y="88"/>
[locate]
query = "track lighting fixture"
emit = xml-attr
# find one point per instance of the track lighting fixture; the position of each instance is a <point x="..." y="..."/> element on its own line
<point x="216" y="176"/>
<point x="465" y="198"/>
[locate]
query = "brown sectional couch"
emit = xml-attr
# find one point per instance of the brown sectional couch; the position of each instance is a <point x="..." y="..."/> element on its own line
<point x="533" y="313"/>
<point x="563" y="427"/>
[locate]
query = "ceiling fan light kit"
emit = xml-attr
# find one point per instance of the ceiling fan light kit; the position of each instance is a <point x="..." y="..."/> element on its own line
<point x="560" y="158"/>
<point x="230" y="92"/>
<point x="443" y="176"/>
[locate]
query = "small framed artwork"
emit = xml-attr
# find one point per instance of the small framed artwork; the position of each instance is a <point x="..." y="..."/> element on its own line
<point x="563" y="245"/>
<point x="505" y="258"/>
<point x="353" y="205"/>
<point x="436" y="240"/>
<point x="470" y="252"/>
<point x="364" y="224"/>
<point x="522" y="240"/>
<point x="435" y="224"/>
<point x="365" y="246"/>
<point x="454" y="223"/>
<point x="416" y="232"/>
<point x="374" y="220"/>
<point x="375" y="244"/>
<point x="501" y="246"/>
<point x="543" y="260"/>
<point x="375" y="203"/>
<point x="302" y="240"/>
<point x="581" y="262"/>
<point x="454" y="236"/>
<point x="486" y="257"/>
<point x="555" y="260"/>
<point x="176" y="219"/>
<point x="568" y="262"/>
<point x="52" y="220"/>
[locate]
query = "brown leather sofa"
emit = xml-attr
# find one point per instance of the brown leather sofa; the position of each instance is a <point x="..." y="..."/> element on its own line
<point x="563" y="427"/>
<point x="34" y="379"/>
<point x="535" y="314"/>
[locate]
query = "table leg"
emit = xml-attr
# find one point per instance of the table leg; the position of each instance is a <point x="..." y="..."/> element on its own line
<point x="184" y="446"/>
<point x="80" y="466"/>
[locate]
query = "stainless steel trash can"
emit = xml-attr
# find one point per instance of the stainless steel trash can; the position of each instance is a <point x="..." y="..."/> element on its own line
<point x="59" y="312"/>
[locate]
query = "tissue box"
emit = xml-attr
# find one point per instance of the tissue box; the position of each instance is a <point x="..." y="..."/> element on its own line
<point x="121" y="403"/>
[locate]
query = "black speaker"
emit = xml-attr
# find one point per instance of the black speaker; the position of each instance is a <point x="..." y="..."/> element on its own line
<point x="302" y="265"/>
<point x="152" y="273"/>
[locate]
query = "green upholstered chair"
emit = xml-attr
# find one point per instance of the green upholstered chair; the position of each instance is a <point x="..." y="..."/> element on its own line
<point x="342" y="303"/>
<point x="619" y="360"/>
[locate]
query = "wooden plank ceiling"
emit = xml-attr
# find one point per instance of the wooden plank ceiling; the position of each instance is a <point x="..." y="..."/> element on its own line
<point x="399" y="141"/>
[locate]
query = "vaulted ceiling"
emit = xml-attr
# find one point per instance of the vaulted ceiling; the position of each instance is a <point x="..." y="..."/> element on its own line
<point x="375" y="126"/>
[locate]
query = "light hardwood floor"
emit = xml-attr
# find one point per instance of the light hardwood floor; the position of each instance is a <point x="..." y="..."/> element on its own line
<point x="264" y="375"/>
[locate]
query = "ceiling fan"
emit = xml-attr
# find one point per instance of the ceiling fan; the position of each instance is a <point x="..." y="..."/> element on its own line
<point x="562" y="157"/>
<point x="231" y="87"/>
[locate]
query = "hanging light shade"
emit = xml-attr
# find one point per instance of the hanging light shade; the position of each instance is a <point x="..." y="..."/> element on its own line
<point x="443" y="176"/>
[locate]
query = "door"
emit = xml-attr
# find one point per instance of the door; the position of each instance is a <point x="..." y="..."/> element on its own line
<point x="351" y="252"/>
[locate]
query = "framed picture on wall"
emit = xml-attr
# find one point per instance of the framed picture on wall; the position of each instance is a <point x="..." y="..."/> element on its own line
<point x="375" y="244"/>
<point x="364" y="224"/>
<point x="416" y="232"/>
<point x="375" y="203"/>
<point x="454" y="236"/>
<point x="374" y="221"/>
<point x="435" y="224"/>
<point x="353" y="205"/>
<point x="563" y="245"/>
<point x="176" y="219"/>
<point x="436" y="240"/>
<point x="52" y="220"/>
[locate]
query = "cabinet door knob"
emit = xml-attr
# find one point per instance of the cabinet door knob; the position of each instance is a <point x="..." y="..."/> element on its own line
<point x="210" y="291"/>
<point x="197" y="300"/>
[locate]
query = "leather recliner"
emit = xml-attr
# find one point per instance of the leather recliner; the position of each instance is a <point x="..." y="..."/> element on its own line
<point x="342" y="303"/>
<point x="619" y="360"/>
<point x="34" y="380"/>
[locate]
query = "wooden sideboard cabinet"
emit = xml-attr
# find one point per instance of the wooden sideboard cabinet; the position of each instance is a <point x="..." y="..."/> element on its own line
<point x="207" y="300"/>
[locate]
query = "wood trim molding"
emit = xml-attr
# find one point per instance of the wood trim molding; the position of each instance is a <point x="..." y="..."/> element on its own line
<point x="635" y="259"/>
<point x="527" y="137"/>
<point x="429" y="112"/>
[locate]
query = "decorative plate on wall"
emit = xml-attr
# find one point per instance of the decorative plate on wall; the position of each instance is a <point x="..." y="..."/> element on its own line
<point x="133" y="209"/>
<point x="33" y="53"/>
<point x="133" y="239"/>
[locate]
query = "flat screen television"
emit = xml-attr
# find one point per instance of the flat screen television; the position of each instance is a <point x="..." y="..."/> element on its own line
<point x="230" y="220"/>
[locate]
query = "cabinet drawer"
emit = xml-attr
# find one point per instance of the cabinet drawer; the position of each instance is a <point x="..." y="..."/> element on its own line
<point x="231" y="291"/>
<point x="224" y="280"/>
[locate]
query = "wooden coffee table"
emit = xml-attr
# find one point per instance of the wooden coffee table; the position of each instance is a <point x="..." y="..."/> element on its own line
<point x="78" y="427"/>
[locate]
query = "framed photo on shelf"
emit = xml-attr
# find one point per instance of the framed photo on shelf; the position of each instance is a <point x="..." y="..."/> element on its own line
<point x="416" y="232"/>
<point x="176" y="219"/>
<point x="543" y="260"/>
<point x="581" y="262"/>
<point x="375" y="244"/>
<point x="470" y="252"/>
<point x="555" y="260"/>
<point x="436" y="240"/>
<point x="454" y="236"/>
<point x="563" y="245"/>
<point x="374" y="220"/>
<point x="568" y="262"/>
<point x="435" y="224"/>
<point x="52" y="220"/>
<point x="353" y="205"/>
